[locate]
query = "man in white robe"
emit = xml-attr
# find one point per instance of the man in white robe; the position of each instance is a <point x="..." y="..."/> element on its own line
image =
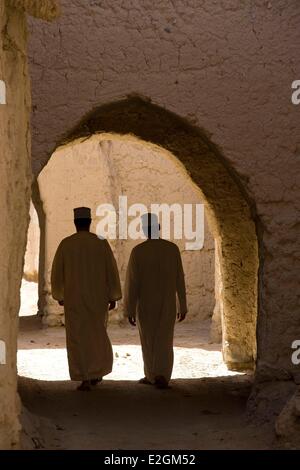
<point x="85" y="280"/>
<point x="154" y="277"/>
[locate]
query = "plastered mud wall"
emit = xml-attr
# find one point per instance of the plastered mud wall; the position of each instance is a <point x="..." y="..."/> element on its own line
<point x="15" y="176"/>
<point x="226" y="68"/>
<point x="99" y="170"/>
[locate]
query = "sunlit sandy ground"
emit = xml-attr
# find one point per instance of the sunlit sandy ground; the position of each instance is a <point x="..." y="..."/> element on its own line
<point x="42" y="354"/>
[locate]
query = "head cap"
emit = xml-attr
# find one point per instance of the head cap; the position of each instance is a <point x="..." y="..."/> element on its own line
<point x="82" y="213"/>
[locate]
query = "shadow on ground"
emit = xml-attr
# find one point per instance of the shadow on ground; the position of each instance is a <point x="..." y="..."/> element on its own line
<point x="207" y="413"/>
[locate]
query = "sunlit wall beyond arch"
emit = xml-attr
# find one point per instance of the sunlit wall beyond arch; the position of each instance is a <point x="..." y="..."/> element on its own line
<point x="106" y="169"/>
<point x="31" y="261"/>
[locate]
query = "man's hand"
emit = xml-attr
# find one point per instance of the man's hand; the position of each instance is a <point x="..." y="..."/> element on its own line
<point x="112" y="305"/>
<point x="132" y="321"/>
<point x="181" y="316"/>
<point x="61" y="303"/>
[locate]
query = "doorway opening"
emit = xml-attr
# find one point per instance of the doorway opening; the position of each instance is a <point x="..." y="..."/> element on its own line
<point x="136" y="149"/>
<point x="98" y="171"/>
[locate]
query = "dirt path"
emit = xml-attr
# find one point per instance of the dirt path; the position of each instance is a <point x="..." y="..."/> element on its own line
<point x="204" y="409"/>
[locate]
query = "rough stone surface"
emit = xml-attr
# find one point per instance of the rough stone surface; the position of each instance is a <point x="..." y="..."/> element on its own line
<point x="226" y="67"/>
<point x="267" y="399"/>
<point x="218" y="315"/>
<point x="97" y="171"/>
<point x="15" y="175"/>
<point x="287" y="425"/>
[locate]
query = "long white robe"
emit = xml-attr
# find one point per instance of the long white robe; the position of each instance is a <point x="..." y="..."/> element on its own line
<point x="85" y="276"/>
<point x="154" y="277"/>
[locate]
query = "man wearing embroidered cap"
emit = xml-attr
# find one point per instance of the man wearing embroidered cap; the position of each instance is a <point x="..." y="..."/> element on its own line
<point x="85" y="280"/>
<point x="154" y="277"/>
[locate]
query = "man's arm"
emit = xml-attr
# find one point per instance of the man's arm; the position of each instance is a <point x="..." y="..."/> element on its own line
<point x="131" y="290"/>
<point x="113" y="278"/>
<point x="180" y="288"/>
<point x="57" y="276"/>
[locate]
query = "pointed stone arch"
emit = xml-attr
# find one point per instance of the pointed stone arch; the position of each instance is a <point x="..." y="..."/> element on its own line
<point x="231" y="214"/>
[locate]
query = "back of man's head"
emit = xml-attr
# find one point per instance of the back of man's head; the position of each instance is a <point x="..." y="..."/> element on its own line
<point x="82" y="224"/>
<point x="150" y="225"/>
<point x="82" y="218"/>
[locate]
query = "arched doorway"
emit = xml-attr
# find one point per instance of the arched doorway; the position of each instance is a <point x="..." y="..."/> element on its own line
<point x="230" y="214"/>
